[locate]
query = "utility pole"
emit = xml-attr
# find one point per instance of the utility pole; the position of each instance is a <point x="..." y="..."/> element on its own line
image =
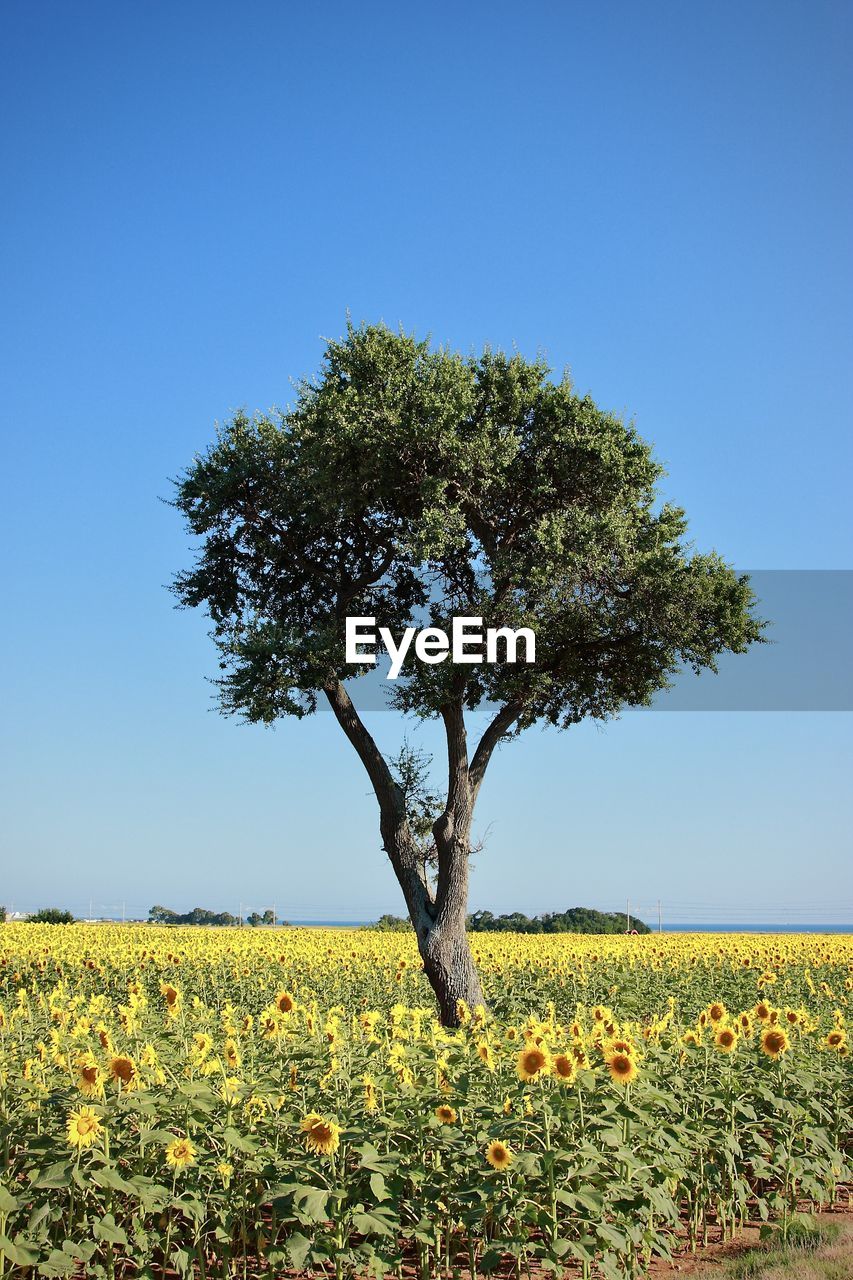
<point x="274" y="920"/>
<point x="660" y="927"/>
<point x="628" y="914"/>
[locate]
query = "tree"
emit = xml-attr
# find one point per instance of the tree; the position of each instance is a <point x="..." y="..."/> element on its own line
<point x="575" y="920"/>
<point x="51" y="915"/>
<point x="411" y="482"/>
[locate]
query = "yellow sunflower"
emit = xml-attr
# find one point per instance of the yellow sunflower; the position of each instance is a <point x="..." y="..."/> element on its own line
<point x="180" y="1153"/>
<point x="726" y="1039"/>
<point x="774" y="1042"/>
<point x="532" y="1062"/>
<point x="564" y="1068"/>
<point x="499" y="1155"/>
<point x="84" y="1128"/>
<point x="618" y="1046"/>
<point x="123" y="1069"/>
<point x="371" y="1102"/>
<point x="90" y="1077"/>
<point x="486" y="1054"/>
<point x="622" y="1068"/>
<point x="321" y="1136"/>
<point x="446" y="1114"/>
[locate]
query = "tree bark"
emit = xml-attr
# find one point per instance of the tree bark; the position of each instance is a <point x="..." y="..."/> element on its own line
<point x="438" y="917"/>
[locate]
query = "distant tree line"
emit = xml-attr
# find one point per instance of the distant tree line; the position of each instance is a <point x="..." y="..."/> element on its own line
<point x="47" y="915"/>
<point x="201" y="915"/>
<point x="574" y="920"/>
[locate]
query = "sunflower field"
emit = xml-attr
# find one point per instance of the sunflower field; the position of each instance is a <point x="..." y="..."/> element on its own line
<point x="253" y="1102"/>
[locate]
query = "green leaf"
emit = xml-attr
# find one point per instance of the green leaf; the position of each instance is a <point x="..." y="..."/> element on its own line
<point x="57" y="1264"/>
<point x="377" y="1186"/>
<point x="298" y="1248"/>
<point x="107" y="1230"/>
<point x="55" y="1176"/>
<point x="8" y="1202"/>
<point x="24" y="1253"/>
<point x="312" y="1202"/>
<point x="367" y="1224"/>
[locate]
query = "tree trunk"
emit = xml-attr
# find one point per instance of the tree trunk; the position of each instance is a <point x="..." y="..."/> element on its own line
<point x="449" y="965"/>
<point x="438" y="918"/>
<point x="439" y="926"/>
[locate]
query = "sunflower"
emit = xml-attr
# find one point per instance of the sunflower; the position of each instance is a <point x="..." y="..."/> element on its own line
<point x="498" y="1155"/>
<point x="774" y="1042"/>
<point x="284" y="1002"/>
<point x="172" y="997"/>
<point x="231" y="1053"/>
<point x="486" y="1054"/>
<point x="622" y="1068"/>
<point x="618" y="1046"/>
<point x="691" y="1037"/>
<point x="463" y="1013"/>
<point x="835" y="1038"/>
<point x="726" y="1039"/>
<point x="716" y="1011"/>
<point x="763" y="1011"/>
<point x="90" y="1077"/>
<point x="564" y="1068"/>
<point x="84" y="1128"/>
<point x="123" y="1069"/>
<point x="371" y="1102"/>
<point x="201" y="1046"/>
<point x="271" y="1024"/>
<point x="321" y="1136"/>
<point x="180" y="1153"/>
<point x="579" y="1055"/>
<point x="148" y="1057"/>
<point x="445" y="1114"/>
<point x="532" y="1062"/>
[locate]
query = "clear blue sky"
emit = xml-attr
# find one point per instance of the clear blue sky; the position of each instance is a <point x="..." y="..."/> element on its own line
<point x="658" y="196"/>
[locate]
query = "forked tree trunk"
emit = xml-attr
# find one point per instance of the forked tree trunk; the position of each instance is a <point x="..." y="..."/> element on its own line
<point x="438" y="918"/>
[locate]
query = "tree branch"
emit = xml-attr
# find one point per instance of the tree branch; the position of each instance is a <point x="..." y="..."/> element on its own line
<point x="398" y="841"/>
<point x="503" y="721"/>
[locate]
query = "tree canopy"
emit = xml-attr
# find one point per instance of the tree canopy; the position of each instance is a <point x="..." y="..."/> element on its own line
<point x="409" y="481"/>
<point x="414" y="484"/>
